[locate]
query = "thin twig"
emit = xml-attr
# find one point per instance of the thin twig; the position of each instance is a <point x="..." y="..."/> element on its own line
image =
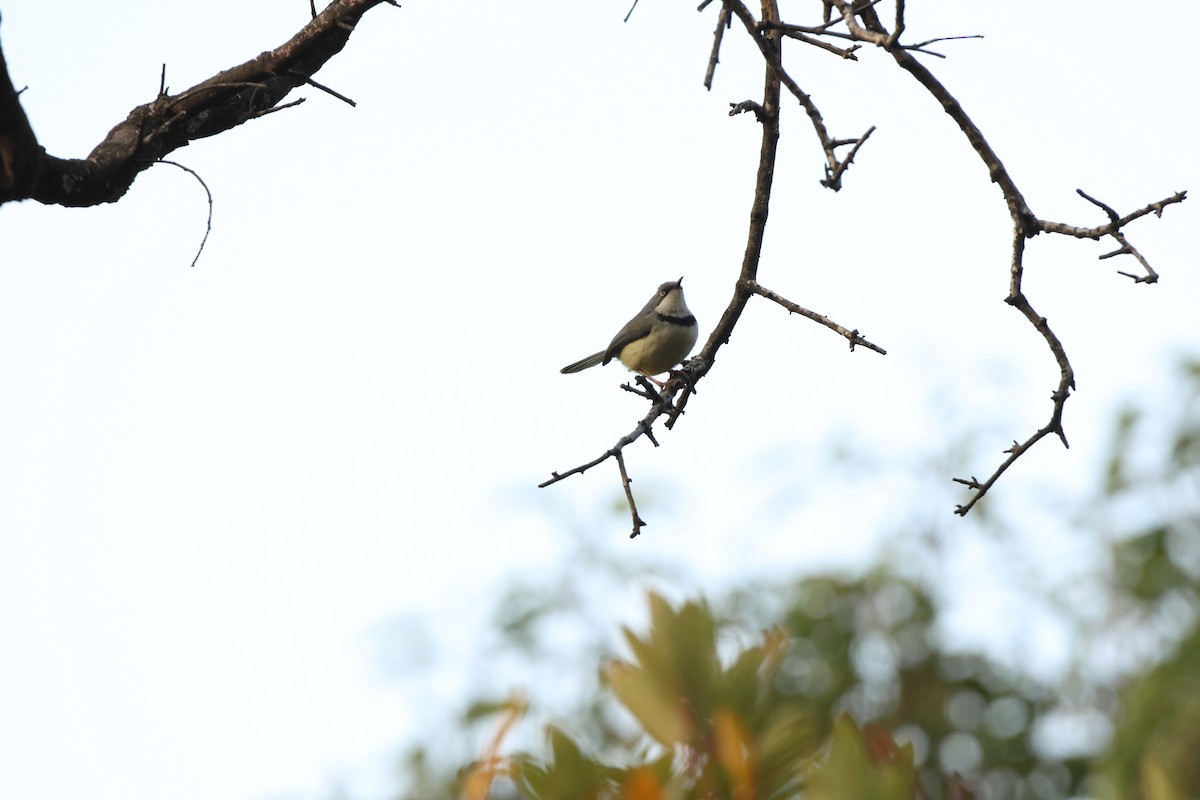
<point x="723" y="22"/>
<point x="1127" y="249"/>
<point x="851" y="335"/>
<point x="208" y="225"/>
<point x="1059" y="397"/>
<point x="638" y="522"/>
<point x="630" y="14"/>
<point x="898" y="28"/>
<point x="935" y="40"/>
<point x="644" y="428"/>
<point x="823" y="29"/>
<point x="273" y="109"/>
<point x="845" y="52"/>
<point x="768" y="45"/>
<point x="312" y="5"/>
<point x="322" y="87"/>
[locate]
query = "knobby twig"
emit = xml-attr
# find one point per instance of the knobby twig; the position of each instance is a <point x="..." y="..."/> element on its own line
<point x="208" y="226"/>
<point x="855" y="339"/>
<point x="638" y="522"/>
<point x="1113" y="229"/>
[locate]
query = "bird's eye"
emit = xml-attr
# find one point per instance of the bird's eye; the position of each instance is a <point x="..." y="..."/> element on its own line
<point x="663" y="293"/>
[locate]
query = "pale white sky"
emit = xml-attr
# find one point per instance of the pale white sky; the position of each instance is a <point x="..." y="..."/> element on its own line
<point x="217" y="483"/>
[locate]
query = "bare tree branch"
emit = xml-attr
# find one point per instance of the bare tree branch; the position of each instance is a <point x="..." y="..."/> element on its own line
<point x="683" y="381"/>
<point x="167" y="123"/>
<point x="1025" y="223"/>
<point x="768" y="45"/>
<point x="1113" y="229"/>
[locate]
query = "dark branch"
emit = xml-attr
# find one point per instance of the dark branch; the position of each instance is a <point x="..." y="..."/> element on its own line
<point x="19" y="150"/>
<point x="153" y="130"/>
<point x="324" y="88"/>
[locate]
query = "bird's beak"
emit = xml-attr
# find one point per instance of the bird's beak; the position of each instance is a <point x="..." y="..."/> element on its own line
<point x="679" y="282"/>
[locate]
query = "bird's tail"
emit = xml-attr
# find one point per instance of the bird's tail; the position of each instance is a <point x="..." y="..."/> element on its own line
<point x="584" y="363"/>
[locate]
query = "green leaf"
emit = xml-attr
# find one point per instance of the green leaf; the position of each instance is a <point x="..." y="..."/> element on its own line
<point x="850" y="772"/>
<point x="656" y="708"/>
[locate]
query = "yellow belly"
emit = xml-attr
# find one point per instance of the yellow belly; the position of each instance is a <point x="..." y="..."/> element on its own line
<point x="665" y="347"/>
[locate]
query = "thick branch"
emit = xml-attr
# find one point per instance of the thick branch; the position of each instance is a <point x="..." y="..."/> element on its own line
<point x="168" y="123"/>
<point x="18" y="146"/>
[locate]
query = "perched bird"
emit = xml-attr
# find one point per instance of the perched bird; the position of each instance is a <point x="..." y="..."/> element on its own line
<point x="658" y="338"/>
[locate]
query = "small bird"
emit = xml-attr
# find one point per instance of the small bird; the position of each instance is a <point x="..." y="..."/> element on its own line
<point x="658" y="338"/>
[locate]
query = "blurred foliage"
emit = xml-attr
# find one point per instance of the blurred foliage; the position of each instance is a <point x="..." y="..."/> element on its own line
<point x="1156" y="751"/>
<point x="843" y="687"/>
<point x="714" y="730"/>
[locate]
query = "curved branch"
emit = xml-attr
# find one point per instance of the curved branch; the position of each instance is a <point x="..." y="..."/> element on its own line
<point x="1025" y="225"/>
<point x="170" y="122"/>
<point x="683" y="381"/>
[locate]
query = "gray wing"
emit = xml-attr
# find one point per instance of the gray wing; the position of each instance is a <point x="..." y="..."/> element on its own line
<point x="636" y="328"/>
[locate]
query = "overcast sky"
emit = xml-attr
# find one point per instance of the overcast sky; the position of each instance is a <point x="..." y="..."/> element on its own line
<point x="217" y="483"/>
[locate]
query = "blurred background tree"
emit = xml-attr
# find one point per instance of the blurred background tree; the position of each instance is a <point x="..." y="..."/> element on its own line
<point x="855" y="688"/>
